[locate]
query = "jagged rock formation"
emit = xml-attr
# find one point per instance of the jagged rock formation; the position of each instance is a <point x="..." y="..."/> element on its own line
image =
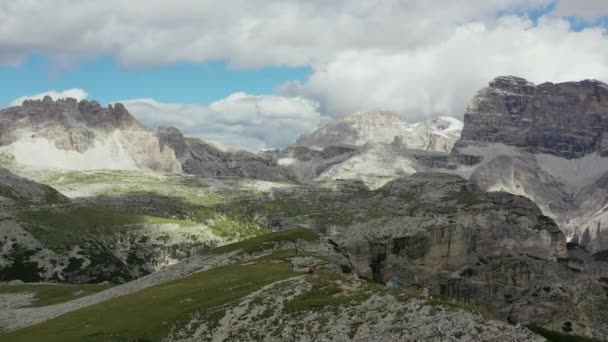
<point x="565" y="119"/>
<point x="67" y="134"/>
<point x="438" y="232"/>
<point x="360" y="128"/>
<point x="427" y="231"/>
<point x="547" y="143"/>
<point x="374" y="147"/>
<point x="476" y="247"/>
<point x="199" y="157"/>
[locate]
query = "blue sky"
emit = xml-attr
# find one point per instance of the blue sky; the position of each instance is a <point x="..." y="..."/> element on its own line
<point x="105" y="80"/>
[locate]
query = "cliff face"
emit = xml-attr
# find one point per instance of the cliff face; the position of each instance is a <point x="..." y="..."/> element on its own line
<point x="476" y="247"/>
<point x="66" y="134"/>
<point x="565" y="119"/>
<point x="548" y="142"/>
<point x="199" y="157"/>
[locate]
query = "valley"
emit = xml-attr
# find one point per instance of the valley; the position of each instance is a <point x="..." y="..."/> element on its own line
<point x="370" y="226"/>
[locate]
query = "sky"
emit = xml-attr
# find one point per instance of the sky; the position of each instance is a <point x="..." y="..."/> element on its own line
<point x="257" y="76"/>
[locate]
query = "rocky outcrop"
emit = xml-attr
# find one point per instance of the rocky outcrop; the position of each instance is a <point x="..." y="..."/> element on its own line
<point x="66" y="134"/>
<point x="494" y="249"/>
<point x="199" y="157"/>
<point x="440" y="233"/>
<point x="565" y="119"/>
<point x="18" y="190"/>
<point x="546" y="142"/>
<point x="50" y="119"/>
<point x="360" y="128"/>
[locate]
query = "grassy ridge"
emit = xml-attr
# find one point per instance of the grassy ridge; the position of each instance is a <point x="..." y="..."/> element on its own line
<point x="265" y="241"/>
<point x="52" y="294"/>
<point x="141" y="316"/>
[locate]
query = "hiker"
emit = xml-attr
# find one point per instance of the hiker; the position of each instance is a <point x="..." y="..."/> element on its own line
<point x="311" y="270"/>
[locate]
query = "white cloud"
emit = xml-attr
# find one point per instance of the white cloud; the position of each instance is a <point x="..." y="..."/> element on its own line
<point x="76" y="93"/>
<point x="443" y="77"/>
<point x="243" y="120"/>
<point x="297" y="32"/>
<point x="416" y="57"/>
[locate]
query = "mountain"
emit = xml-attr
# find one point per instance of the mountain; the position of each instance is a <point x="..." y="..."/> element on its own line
<point x="66" y="134"/>
<point x="360" y="128"/>
<point x="374" y="147"/>
<point x="233" y="294"/>
<point x="567" y="119"/>
<point x="210" y="159"/>
<point x="508" y="227"/>
<point x="70" y="135"/>
<point x="548" y="143"/>
<point x="433" y="239"/>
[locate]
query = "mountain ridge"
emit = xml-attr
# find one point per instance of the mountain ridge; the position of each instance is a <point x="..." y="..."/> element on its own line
<point x="359" y="128"/>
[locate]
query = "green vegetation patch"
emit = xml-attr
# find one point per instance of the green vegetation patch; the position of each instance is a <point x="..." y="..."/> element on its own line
<point x="121" y="182"/>
<point x="149" y="314"/>
<point x="237" y="228"/>
<point x="262" y="242"/>
<point x="48" y="294"/>
<point x="59" y="227"/>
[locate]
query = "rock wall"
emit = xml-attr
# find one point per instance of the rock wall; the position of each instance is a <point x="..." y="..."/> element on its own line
<point x="566" y="119"/>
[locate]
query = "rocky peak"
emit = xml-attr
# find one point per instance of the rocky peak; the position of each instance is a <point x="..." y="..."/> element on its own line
<point x="69" y="113"/>
<point x="361" y="128"/>
<point x="513" y="84"/>
<point x="113" y="117"/>
<point x="567" y="119"/>
<point x="173" y="138"/>
<point x="104" y="137"/>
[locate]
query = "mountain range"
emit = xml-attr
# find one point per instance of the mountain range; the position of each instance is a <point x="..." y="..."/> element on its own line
<point x="504" y="213"/>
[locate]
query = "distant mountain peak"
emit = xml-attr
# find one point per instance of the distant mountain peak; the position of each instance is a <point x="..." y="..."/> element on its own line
<point x="67" y="134"/>
<point x="360" y="128"/>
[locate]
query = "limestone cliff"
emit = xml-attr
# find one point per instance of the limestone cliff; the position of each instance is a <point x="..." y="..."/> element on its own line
<point x="66" y="134"/>
<point x="567" y="119"/>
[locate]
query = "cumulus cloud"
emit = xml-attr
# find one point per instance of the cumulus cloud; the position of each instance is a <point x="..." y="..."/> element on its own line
<point x="298" y="32"/>
<point x="443" y="77"/>
<point x="76" y="93"/>
<point x="243" y="120"/>
<point x="415" y="57"/>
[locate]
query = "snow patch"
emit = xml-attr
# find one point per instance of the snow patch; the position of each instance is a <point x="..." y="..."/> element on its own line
<point x="286" y="161"/>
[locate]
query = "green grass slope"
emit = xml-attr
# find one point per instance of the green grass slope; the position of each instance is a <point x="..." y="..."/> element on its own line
<point x="48" y="294"/>
<point x="149" y="314"/>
